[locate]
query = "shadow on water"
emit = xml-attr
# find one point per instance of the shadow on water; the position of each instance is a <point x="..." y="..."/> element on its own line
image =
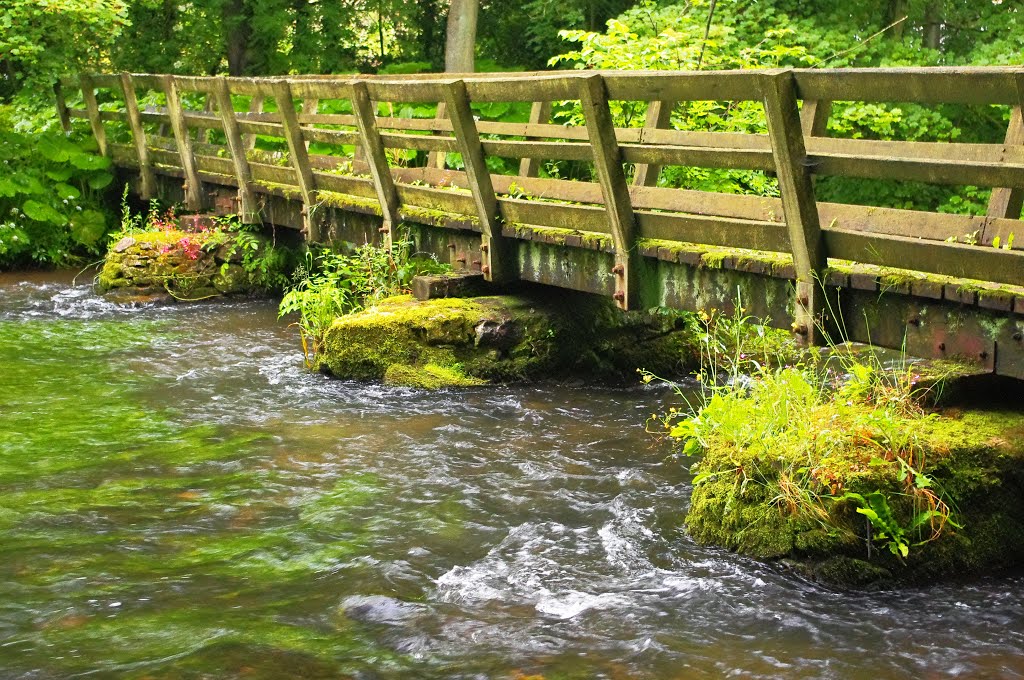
<point x="180" y="499"/>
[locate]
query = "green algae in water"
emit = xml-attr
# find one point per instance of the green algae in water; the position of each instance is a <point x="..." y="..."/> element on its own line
<point x="111" y="509"/>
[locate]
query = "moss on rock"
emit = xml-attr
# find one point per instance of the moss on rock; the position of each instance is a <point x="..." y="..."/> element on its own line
<point x="506" y="338"/>
<point x="183" y="265"/>
<point x="429" y="377"/>
<point x="750" y="501"/>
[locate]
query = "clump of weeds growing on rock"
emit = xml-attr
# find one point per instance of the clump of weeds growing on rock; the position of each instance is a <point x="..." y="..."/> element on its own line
<point x="824" y="436"/>
<point x="329" y="285"/>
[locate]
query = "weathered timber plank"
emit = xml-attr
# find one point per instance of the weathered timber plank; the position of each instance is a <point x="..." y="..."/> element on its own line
<point x="615" y="190"/>
<point x="574" y="217"/>
<point x="497" y="253"/>
<point x="540" y="113"/>
<point x="955" y="85"/>
<point x="193" y="186"/>
<point x="147" y="182"/>
<point x="980" y="263"/>
<point x="374" y="152"/>
<point x="798" y="203"/>
<point x="92" y="108"/>
<point x="353" y="186"/>
<point x="659" y="114"/>
<point x="248" y="207"/>
<point x="714" y="231"/>
<point x="949" y="171"/>
<point x="678" y="86"/>
<point x="299" y="157"/>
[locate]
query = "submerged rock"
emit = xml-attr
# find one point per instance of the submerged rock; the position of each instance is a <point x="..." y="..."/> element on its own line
<point x="165" y="265"/>
<point x="464" y="341"/>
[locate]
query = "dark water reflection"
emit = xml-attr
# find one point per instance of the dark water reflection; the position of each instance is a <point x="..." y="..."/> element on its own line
<point x="180" y="499"/>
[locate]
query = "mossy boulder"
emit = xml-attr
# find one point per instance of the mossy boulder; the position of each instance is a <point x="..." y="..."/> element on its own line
<point x="974" y="460"/>
<point x="501" y="338"/>
<point x="173" y="264"/>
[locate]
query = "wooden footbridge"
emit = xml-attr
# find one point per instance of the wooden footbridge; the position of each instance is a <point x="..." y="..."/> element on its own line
<point x="897" y="278"/>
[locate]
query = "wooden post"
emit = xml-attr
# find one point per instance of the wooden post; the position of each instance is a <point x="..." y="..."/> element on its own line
<point x="437" y="159"/>
<point x="617" y="203"/>
<point x="659" y="114"/>
<point x="1006" y="202"/>
<point x="282" y="93"/>
<point x="131" y="105"/>
<point x="255" y="106"/>
<point x="62" y="108"/>
<point x="208" y="101"/>
<point x="497" y="253"/>
<point x="814" y="117"/>
<point x="540" y="112"/>
<point x="309" y="108"/>
<point x="193" y="187"/>
<point x="798" y="203"/>
<point x="93" y="109"/>
<point x="383" y="182"/>
<point x="248" y="209"/>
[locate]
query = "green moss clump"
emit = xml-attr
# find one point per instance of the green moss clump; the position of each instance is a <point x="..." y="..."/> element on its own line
<point x="788" y="459"/>
<point x="507" y="338"/>
<point x="429" y="377"/>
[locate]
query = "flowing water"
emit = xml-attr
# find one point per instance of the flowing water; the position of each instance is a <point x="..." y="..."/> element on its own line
<point x="180" y="499"/>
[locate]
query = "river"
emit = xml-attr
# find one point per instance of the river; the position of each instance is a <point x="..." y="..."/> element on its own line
<point x="179" y="498"/>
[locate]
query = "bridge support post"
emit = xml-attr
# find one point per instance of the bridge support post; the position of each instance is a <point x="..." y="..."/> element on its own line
<point x="659" y="114"/>
<point x="373" y="147"/>
<point x="93" y="110"/>
<point x="131" y="105"/>
<point x="255" y="107"/>
<point x="497" y="254"/>
<point x="248" y="209"/>
<point x="282" y="93"/>
<point x="798" y="204"/>
<point x="540" y="112"/>
<point x="1007" y="202"/>
<point x="193" y="186"/>
<point x="615" y="191"/>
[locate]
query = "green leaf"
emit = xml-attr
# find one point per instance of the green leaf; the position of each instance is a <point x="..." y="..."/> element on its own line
<point x="56" y="149"/>
<point x="41" y="212"/>
<point x="85" y="161"/>
<point x="100" y="181"/>
<point x="88" y="226"/>
<point x="61" y="175"/>
<point x="67" y="191"/>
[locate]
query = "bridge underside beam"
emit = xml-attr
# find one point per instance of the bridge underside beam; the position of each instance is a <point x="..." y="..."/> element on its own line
<point x="924" y="318"/>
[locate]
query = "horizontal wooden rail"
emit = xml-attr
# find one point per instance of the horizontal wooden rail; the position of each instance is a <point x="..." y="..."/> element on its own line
<point x="180" y="139"/>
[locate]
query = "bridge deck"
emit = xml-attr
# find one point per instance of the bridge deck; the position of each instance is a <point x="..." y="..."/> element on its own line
<point x="899" y="278"/>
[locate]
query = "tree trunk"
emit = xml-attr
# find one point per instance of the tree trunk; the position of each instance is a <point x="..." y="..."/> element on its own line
<point x="898" y="9"/>
<point x="933" y="25"/>
<point x="461" y="38"/>
<point x="238" y="31"/>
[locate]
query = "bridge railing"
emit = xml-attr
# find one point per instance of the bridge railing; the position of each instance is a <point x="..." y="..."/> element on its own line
<point x="199" y="135"/>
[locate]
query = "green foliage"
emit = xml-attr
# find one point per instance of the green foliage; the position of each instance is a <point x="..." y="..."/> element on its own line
<point x="332" y="285"/>
<point x="51" y="198"/>
<point x="815" y="33"/>
<point x="810" y="437"/>
<point x="42" y="39"/>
